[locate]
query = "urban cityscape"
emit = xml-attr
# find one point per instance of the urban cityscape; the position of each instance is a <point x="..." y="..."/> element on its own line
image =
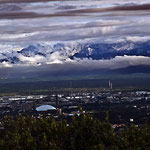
<point x="124" y="106"/>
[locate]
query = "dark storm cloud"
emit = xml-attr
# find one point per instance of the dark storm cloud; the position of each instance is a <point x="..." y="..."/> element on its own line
<point x="116" y="8"/>
<point x="66" y="7"/>
<point x="77" y="12"/>
<point x="131" y="8"/>
<point x="24" y="1"/>
<point x="24" y="15"/>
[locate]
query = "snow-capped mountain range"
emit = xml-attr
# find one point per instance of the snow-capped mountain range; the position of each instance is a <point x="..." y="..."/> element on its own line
<point x="40" y="54"/>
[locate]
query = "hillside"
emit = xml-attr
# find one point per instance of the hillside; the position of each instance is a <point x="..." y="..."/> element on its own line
<point x="83" y="133"/>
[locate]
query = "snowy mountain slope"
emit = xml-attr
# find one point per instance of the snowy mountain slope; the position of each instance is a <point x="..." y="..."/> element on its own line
<point x="61" y="51"/>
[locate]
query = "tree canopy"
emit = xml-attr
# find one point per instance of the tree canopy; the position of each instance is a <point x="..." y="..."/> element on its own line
<point x="83" y="133"/>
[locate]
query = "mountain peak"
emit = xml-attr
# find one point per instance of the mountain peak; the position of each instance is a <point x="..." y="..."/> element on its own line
<point x="94" y="51"/>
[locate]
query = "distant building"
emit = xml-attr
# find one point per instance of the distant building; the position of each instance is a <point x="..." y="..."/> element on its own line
<point x="110" y="84"/>
<point x="45" y="108"/>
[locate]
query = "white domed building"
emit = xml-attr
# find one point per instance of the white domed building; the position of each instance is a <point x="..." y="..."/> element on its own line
<point x="45" y="108"/>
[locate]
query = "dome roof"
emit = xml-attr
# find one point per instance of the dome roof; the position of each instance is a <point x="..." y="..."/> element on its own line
<point x="45" y="108"/>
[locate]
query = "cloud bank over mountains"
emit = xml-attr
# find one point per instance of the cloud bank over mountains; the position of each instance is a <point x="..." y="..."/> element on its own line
<point x="83" y="34"/>
<point x="86" y="56"/>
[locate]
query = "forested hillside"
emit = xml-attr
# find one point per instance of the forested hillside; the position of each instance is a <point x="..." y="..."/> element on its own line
<point x="82" y="133"/>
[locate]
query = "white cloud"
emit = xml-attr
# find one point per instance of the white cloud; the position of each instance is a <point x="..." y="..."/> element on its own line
<point x="115" y="63"/>
<point x="109" y="29"/>
<point x="5" y="65"/>
<point x="137" y="38"/>
<point x="89" y="64"/>
<point x="31" y="60"/>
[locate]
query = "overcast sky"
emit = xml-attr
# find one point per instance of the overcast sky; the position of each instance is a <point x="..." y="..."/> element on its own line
<point x="39" y="22"/>
<point x="26" y="22"/>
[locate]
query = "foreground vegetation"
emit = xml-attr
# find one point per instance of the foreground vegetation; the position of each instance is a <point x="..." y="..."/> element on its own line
<point x="83" y="133"/>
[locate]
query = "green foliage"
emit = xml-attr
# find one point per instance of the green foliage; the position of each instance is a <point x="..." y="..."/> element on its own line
<point x="83" y="133"/>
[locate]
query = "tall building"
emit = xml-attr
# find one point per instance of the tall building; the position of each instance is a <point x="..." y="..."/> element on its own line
<point x="110" y="84"/>
<point x="57" y="100"/>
